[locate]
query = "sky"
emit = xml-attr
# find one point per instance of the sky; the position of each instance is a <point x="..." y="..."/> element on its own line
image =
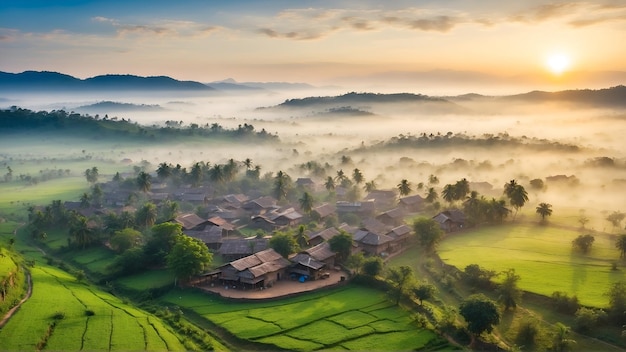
<point x="321" y="42"/>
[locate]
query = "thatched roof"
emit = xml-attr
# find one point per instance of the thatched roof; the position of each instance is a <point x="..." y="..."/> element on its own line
<point x="189" y="221"/>
<point x="320" y="252"/>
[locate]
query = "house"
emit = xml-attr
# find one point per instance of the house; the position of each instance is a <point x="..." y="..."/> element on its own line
<point x="260" y="205"/>
<point x="411" y="204"/>
<point x="322" y="211"/>
<point x="262" y="222"/>
<point x="287" y="217"/>
<point x="393" y="217"/>
<point x="312" y="262"/>
<point x="366" y="207"/>
<point x="226" y="226"/>
<point x="230" y="201"/>
<point x="401" y="235"/>
<point x="191" y="221"/>
<point x="374" y="226"/>
<point x="382" y="199"/>
<point x="158" y="197"/>
<point x="260" y="269"/>
<point x="236" y="248"/>
<point x="210" y="235"/>
<point x="371" y="243"/>
<point x="306" y="183"/>
<point x="450" y="220"/>
<point x="322" y="236"/>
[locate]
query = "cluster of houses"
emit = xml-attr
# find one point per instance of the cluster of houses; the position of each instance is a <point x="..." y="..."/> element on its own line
<point x="382" y="230"/>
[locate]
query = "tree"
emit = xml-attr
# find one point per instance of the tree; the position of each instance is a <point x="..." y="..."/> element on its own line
<point x="480" y="313"/>
<point x="544" y="209"/>
<point x="401" y="279"/>
<point x="97" y="196"/>
<point x="130" y="262"/>
<point x="370" y="186"/>
<point x="284" y="244"/>
<point x="92" y="175"/>
<point x="162" y="239"/>
<point x="431" y="195"/>
<point x="428" y="231"/>
<point x="617" y="302"/>
<point x="510" y="294"/>
<point x="621" y="245"/>
<point x="247" y="163"/>
<point x="306" y="202"/>
<point x="342" y="245"/>
<point x="329" y="184"/>
<point x="433" y="180"/>
<point x="146" y="215"/>
<point x="281" y="185"/>
<point x="404" y="187"/>
<point x="373" y="266"/>
<point x="144" y="181"/>
<point x="616" y="218"/>
<point x="301" y="237"/>
<point x="479" y="277"/>
<point x="357" y="176"/>
<point x="498" y="210"/>
<point x="81" y="231"/>
<point x="561" y="342"/>
<point x="517" y="195"/>
<point x="424" y="291"/>
<point x="355" y="262"/>
<point x="449" y="193"/>
<point x="583" y="243"/>
<point x="189" y="256"/>
<point x="125" y="239"/>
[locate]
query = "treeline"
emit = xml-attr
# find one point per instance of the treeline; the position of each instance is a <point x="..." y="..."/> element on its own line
<point x="60" y="121"/>
<point x="450" y="139"/>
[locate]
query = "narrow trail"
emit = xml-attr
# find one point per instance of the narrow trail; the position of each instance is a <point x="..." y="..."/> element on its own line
<point x="11" y="311"/>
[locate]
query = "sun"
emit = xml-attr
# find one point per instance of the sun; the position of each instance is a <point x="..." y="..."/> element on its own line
<point x="558" y="63"/>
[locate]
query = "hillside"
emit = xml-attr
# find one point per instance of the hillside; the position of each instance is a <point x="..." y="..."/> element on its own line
<point x="46" y="81"/>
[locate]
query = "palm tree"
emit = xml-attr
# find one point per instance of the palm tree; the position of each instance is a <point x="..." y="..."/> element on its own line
<point x="431" y="195"/>
<point x="329" y="184"/>
<point x="357" y="176"/>
<point x="281" y="185"/>
<point x="518" y="197"/>
<point x="301" y="238"/>
<point x="216" y="173"/>
<point x="196" y="174"/>
<point x="433" y="180"/>
<point x="544" y="209"/>
<point x="230" y="169"/>
<point x="510" y="187"/>
<point x="370" y="186"/>
<point x="340" y="176"/>
<point x="449" y="193"/>
<point x="247" y="163"/>
<point x="144" y="181"/>
<point x="621" y="245"/>
<point x="147" y="215"/>
<point x="81" y="231"/>
<point x="461" y="189"/>
<point x="498" y="210"/>
<point x="164" y="171"/>
<point x="404" y="187"/>
<point x="306" y="202"/>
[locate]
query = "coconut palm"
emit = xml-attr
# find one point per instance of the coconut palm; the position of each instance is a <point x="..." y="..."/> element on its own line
<point x="370" y="186"/>
<point x="341" y="176"/>
<point x="164" y="171"/>
<point x="216" y="173"/>
<point x="621" y="245"/>
<point x="144" y="181"/>
<point x="544" y="209"/>
<point x="518" y="197"/>
<point x="81" y="231"/>
<point x="146" y="215"/>
<point x="306" y="202"/>
<point x="247" y="163"/>
<point x="431" y="195"/>
<point x="433" y="180"/>
<point x="301" y="237"/>
<point x="357" y="176"/>
<point x="404" y="187"/>
<point x="329" y="184"/>
<point x="449" y="193"/>
<point x="281" y="185"/>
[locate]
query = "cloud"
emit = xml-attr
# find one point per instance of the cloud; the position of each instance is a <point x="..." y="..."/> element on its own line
<point x="600" y="14"/>
<point x="546" y="12"/>
<point x="437" y="24"/>
<point x="159" y="28"/>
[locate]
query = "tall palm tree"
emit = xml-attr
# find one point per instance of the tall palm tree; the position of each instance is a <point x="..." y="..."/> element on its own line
<point x="518" y="197"/>
<point x="498" y="210"/>
<point x="147" y="215"/>
<point x="301" y="238"/>
<point x="433" y="180"/>
<point x="81" y="232"/>
<point x="164" y="171"/>
<point x="196" y="174"/>
<point x="340" y="176"/>
<point x="449" y="193"/>
<point x="370" y="186"/>
<point x="329" y="184"/>
<point x="281" y="185"/>
<point x="544" y="209"/>
<point x="247" y="163"/>
<point x="621" y="245"/>
<point x="431" y="195"/>
<point x="217" y="173"/>
<point x="144" y="181"/>
<point x="306" y="202"/>
<point x="510" y="187"/>
<point x="357" y="176"/>
<point x="404" y="187"/>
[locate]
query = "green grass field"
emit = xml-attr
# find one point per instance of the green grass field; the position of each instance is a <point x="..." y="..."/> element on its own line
<point x="542" y="256"/>
<point x="147" y="280"/>
<point x="92" y="319"/>
<point x="347" y="318"/>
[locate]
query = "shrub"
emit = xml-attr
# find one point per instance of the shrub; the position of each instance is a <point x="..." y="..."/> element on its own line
<point x="565" y="304"/>
<point x="58" y="316"/>
<point x="588" y="318"/>
<point x="90" y="313"/>
<point x="527" y="333"/>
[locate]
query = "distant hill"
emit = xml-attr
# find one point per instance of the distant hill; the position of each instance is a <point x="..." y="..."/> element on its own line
<point x="107" y="107"/>
<point x="370" y="102"/>
<point x="231" y="84"/>
<point x="45" y="81"/>
<point x="608" y="97"/>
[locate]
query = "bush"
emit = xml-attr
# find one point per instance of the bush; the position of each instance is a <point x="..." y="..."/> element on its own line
<point x="588" y="318"/>
<point x="90" y="313"/>
<point x="527" y="333"/>
<point x="58" y="316"/>
<point x="565" y="304"/>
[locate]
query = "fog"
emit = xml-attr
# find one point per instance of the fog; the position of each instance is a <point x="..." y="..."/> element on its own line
<point x="545" y="139"/>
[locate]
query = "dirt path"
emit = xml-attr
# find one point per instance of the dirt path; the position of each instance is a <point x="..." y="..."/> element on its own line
<point x="11" y="311"/>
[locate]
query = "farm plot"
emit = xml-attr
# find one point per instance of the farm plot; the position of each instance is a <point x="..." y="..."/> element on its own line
<point x="542" y="256"/>
<point x="350" y="318"/>
<point x="63" y="314"/>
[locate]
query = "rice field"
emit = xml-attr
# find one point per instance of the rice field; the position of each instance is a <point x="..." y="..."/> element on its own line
<point x="347" y="318"/>
<point x="63" y="314"/>
<point x="542" y="256"/>
<point x="147" y="280"/>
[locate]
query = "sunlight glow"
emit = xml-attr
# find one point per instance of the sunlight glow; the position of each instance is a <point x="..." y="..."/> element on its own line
<point x="558" y="63"/>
